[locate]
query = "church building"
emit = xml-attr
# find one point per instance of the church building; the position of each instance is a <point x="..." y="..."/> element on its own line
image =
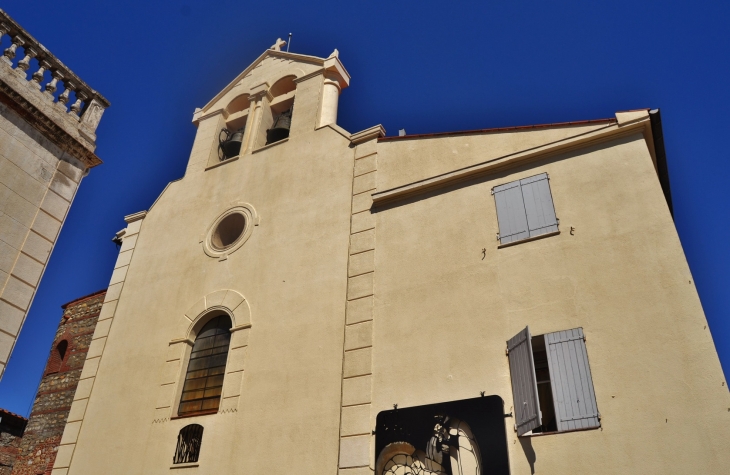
<point x="307" y="300"/>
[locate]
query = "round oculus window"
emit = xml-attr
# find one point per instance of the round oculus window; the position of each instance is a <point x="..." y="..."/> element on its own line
<point x="230" y="230"/>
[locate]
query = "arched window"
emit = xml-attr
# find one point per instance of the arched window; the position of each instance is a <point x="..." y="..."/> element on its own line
<point x="57" y="356"/>
<point x="283" y="86"/>
<point x="188" y="444"/>
<point x="204" y="378"/>
<point x="282" y="106"/>
<point x="238" y="104"/>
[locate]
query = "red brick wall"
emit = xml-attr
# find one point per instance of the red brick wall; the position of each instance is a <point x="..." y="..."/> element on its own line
<point x="38" y="447"/>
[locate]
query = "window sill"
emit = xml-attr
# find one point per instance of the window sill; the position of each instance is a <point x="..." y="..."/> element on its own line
<point x="195" y="414"/>
<point x="540" y="434"/>
<point x="184" y="465"/>
<point x="271" y="145"/>
<point x="534" y="238"/>
<point x="223" y="162"/>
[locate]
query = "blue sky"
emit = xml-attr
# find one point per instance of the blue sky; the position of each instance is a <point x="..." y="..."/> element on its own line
<point x="424" y="66"/>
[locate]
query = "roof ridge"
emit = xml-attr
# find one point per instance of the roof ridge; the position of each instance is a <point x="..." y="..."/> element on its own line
<point x="499" y="129"/>
<point x="84" y="298"/>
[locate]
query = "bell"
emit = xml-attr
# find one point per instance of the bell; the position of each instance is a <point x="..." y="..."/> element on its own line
<point x="281" y="127"/>
<point x="230" y="143"/>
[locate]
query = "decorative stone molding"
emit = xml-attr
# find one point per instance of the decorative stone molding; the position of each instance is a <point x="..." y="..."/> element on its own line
<point x="335" y="62"/>
<point x="72" y="129"/>
<point x="251" y="220"/>
<point x="260" y="91"/>
<point x="23" y="39"/>
<point x="33" y="112"/>
<point x="172" y="373"/>
<point x="376" y="131"/>
<point x="230" y="301"/>
<point x="356" y="436"/>
<point x="199" y="115"/>
<point x="336" y="70"/>
<point x="611" y="131"/>
<point x="130" y="218"/>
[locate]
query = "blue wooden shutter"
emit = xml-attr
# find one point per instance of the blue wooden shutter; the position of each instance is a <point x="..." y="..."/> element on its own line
<point x="570" y="377"/>
<point x="510" y="212"/>
<point x="539" y="205"/>
<point x="524" y="383"/>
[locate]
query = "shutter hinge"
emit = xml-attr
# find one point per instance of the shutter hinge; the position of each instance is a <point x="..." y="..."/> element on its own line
<point x="508" y="415"/>
<point x="498" y="237"/>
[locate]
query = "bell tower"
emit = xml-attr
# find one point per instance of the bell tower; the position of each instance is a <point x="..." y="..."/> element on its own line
<point x="279" y="97"/>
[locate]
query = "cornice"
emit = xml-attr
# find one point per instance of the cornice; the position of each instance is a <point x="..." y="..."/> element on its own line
<point x="200" y="115"/>
<point x="263" y="56"/>
<point x="337" y="129"/>
<point x="130" y="218"/>
<point x="374" y="132"/>
<point x="603" y="134"/>
<point x="54" y="131"/>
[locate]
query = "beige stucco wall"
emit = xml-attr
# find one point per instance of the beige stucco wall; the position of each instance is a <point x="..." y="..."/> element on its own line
<point x="292" y="273"/>
<point x="404" y="162"/>
<point x="444" y="314"/>
<point x="38" y="181"/>
<point x="353" y="309"/>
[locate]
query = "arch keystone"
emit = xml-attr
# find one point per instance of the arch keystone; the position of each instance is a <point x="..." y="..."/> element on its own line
<point x="232" y="300"/>
<point x="215" y="299"/>
<point x="223" y="299"/>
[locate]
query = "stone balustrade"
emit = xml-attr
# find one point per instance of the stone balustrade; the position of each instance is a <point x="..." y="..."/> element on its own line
<point x="50" y="76"/>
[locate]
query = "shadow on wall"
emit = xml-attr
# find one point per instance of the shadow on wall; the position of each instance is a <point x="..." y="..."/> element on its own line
<point x="526" y="444"/>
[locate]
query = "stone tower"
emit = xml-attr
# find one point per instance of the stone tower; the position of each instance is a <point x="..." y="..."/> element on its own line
<point x="32" y="449"/>
<point x="48" y="121"/>
<point x="36" y="451"/>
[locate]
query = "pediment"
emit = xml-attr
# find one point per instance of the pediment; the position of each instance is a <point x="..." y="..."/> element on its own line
<point x="268" y="68"/>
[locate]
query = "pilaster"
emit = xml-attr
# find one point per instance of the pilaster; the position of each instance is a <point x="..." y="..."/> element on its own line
<point x="356" y="419"/>
<point x="75" y="421"/>
<point x="260" y="117"/>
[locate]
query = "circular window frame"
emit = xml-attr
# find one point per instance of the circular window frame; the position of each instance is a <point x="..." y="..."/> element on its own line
<point x="251" y="220"/>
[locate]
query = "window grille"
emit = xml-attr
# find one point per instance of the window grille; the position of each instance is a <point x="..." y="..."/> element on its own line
<point x="188" y="444"/>
<point x="206" y="368"/>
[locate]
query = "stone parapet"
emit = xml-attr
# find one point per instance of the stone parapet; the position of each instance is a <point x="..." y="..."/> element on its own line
<point x="69" y="122"/>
